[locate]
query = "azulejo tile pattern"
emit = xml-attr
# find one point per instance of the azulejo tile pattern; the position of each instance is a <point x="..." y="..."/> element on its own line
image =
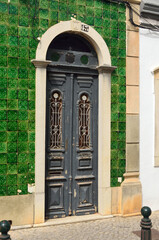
<point x="21" y="22"/>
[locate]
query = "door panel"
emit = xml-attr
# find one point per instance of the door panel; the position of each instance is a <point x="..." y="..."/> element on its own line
<point x="71" y="143"/>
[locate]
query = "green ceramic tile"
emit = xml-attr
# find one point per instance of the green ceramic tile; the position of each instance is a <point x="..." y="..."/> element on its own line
<point x="98" y="12"/>
<point x="3" y="8"/>
<point x="43" y="13"/>
<point x="114" y="154"/>
<point x="22" y="115"/>
<point x="23" y="73"/>
<point x="122" y="53"/>
<point x="12" y="190"/>
<point x="122" y="16"/>
<point x="22" y="168"/>
<point x="122" y="126"/>
<point x="23" y="188"/>
<point x="11" y="146"/>
<point x="13" y="31"/>
<point x="12" y="178"/>
<point x="122" y="26"/>
<point x="3" y="147"/>
<point x="12" y="72"/>
<point x="114" y="117"/>
<point x="31" y="115"/>
<point x="22" y="136"/>
<point x="43" y="3"/>
<point x="31" y="105"/>
<point x="31" y="84"/>
<point x="114" y="182"/>
<point x="54" y="5"/>
<point x="12" y="94"/>
<point x="22" y="179"/>
<point x="3" y="93"/>
<point x="114" y="98"/>
<point x="122" y="117"/>
<point x="114" y="15"/>
<point x="90" y="3"/>
<point x="22" y="105"/>
<point x="12" y="136"/>
<point x="114" y="126"/>
<point x="3" y="83"/>
<point x="12" y="83"/>
<point x="114" y="163"/>
<point x="114" y="33"/>
<point x="121" y="172"/>
<point x="114" y="173"/>
<point x="31" y="95"/>
<point x="23" y="10"/>
<point x="3" y="72"/>
<point x="3" y="61"/>
<point x="13" y="52"/>
<point x="23" y="94"/>
<point x="122" y="98"/>
<point x="106" y="14"/>
<point x="122" y="89"/>
<point x="114" y="145"/>
<point x="23" y="41"/>
<point x="3" y="18"/>
<point x="43" y="23"/>
<point x="12" y="104"/>
<point x="114" y="107"/>
<point x="31" y="137"/>
<point x="114" y="24"/>
<point x="22" y="147"/>
<point x="13" y="20"/>
<point x="3" y="125"/>
<point x="23" y="31"/>
<point x="12" y="169"/>
<point x="3" y="29"/>
<point x="32" y="53"/>
<point x="2" y="180"/>
<point x="4" y="39"/>
<point x="3" y="158"/>
<point x="22" y="158"/>
<point x="31" y="178"/>
<point x="23" y="125"/>
<point x="13" y="41"/>
<point x="3" y="50"/>
<point x="3" y="115"/>
<point x="3" y="191"/>
<point x="3" y="137"/>
<point x="121" y="145"/>
<point x="3" y="168"/>
<point x="23" y="53"/>
<point x="33" y="43"/>
<point x="122" y="163"/>
<point x="122" y="80"/>
<point x="90" y="20"/>
<point x="3" y="104"/>
<point x="12" y="62"/>
<point x="31" y="125"/>
<point x="12" y="125"/>
<point x="122" y="35"/>
<point x="98" y="22"/>
<point x="32" y="147"/>
<point x="23" y="21"/>
<point x="12" y="158"/>
<point x="53" y="15"/>
<point x="22" y="83"/>
<point x="122" y="136"/>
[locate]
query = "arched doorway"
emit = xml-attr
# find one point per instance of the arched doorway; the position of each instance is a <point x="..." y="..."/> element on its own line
<point x="71" y="174"/>
<point x="104" y="90"/>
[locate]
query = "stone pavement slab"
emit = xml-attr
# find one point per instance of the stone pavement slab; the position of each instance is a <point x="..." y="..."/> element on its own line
<point x="113" y="228"/>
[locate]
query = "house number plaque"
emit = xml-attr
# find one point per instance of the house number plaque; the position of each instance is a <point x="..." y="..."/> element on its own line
<point x="84" y="27"/>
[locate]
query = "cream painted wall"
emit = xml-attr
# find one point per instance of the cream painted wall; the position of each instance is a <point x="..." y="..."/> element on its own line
<point x="149" y="60"/>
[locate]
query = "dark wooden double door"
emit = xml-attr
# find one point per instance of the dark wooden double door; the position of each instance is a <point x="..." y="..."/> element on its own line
<point x="71" y="142"/>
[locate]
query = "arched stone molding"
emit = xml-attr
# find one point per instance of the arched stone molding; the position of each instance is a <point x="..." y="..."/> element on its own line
<point x="104" y="116"/>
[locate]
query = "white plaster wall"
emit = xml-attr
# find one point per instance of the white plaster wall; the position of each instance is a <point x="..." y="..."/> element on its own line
<point x="149" y="60"/>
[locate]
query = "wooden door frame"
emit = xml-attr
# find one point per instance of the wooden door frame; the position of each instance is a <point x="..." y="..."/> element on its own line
<point x="104" y="116"/>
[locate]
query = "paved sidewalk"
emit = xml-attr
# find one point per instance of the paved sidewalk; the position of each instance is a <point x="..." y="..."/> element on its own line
<point x="114" y="228"/>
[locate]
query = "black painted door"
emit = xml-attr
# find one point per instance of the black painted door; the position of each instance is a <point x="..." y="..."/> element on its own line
<point x="71" y="142"/>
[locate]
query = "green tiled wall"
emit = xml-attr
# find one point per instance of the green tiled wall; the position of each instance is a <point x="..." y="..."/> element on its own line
<point x="21" y="22"/>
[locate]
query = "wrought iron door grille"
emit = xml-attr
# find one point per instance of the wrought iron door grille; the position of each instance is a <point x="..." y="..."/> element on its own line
<point x="56" y="121"/>
<point x="84" y="122"/>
